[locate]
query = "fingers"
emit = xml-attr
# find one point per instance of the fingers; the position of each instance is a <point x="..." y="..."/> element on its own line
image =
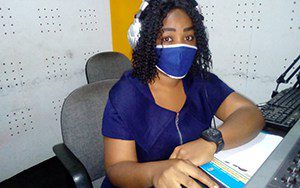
<point x="167" y="184"/>
<point x="167" y="180"/>
<point x="191" y="170"/>
<point x="182" y="172"/>
<point x="202" y="177"/>
<point x="186" y="181"/>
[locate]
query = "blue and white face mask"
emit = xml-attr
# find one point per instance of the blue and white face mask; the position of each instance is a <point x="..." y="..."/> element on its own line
<point x="175" y="60"/>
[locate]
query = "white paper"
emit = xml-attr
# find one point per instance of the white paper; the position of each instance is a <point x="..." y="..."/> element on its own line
<point x="251" y="155"/>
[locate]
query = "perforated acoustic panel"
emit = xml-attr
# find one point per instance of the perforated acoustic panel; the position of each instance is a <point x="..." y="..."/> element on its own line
<point x="253" y="42"/>
<point x="44" y="47"/>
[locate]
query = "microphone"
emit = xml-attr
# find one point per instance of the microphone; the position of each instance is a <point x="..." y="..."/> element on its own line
<point x="281" y="79"/>
<point x="297" y="84"/>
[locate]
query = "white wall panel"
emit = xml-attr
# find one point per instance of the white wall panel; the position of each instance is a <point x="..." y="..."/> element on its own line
<point x="44" y="46"/>
<point x="253" y="42"/>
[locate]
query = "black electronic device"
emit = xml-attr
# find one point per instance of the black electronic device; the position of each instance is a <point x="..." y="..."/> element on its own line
<point x="281" y="169"/>
<point x="283" y="111"/>
<point x="288" y="175"/>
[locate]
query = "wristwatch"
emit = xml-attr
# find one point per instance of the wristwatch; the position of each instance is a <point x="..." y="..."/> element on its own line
<point x="214" y="135"/>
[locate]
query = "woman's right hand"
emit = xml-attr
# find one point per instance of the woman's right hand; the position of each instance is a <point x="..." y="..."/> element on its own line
<point x="176" y="172"/>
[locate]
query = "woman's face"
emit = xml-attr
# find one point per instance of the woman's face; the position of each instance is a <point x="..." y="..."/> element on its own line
<point x="177" y="29"/>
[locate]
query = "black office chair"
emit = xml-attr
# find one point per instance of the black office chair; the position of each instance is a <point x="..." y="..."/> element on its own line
<point x="106" y="65"/>
<point x="81" y="118"/>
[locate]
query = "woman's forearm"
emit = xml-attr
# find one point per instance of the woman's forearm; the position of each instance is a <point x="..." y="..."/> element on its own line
<point x="241" y="126"/>
<point x="133" y="174"/>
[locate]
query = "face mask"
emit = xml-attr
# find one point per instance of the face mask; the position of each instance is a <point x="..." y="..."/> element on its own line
<point x="175" y="60"/>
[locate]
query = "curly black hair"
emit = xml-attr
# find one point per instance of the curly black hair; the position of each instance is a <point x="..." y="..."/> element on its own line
<point x="144" y="57"/>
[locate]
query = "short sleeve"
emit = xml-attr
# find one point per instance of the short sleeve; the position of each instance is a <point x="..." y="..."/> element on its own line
<point x="217" y="92"/>
<point x="112" y="124"/>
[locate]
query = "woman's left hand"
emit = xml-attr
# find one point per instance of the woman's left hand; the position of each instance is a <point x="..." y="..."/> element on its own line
<point x="198" y="151"/>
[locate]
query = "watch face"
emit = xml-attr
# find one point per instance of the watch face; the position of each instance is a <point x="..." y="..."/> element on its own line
<point x="213" y="133"/>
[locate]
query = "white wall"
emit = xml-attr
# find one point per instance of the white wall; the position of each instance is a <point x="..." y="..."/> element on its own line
<point x="44" y="45"/>
<point x="252" y="42"/>
<point x="42" y="60"/>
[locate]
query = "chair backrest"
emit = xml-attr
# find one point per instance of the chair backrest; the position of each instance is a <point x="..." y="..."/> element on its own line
<point x="81" y="122"/>
<point x="106" y="65"/>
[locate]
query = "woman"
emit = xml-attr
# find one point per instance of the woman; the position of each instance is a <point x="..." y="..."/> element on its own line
<point x="156" y="120"/>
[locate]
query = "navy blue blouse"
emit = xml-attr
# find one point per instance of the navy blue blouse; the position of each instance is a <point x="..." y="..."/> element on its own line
<point x="132" y="114"/>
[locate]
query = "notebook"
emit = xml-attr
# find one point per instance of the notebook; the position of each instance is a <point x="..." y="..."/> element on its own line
<point x="234" y="167"/>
